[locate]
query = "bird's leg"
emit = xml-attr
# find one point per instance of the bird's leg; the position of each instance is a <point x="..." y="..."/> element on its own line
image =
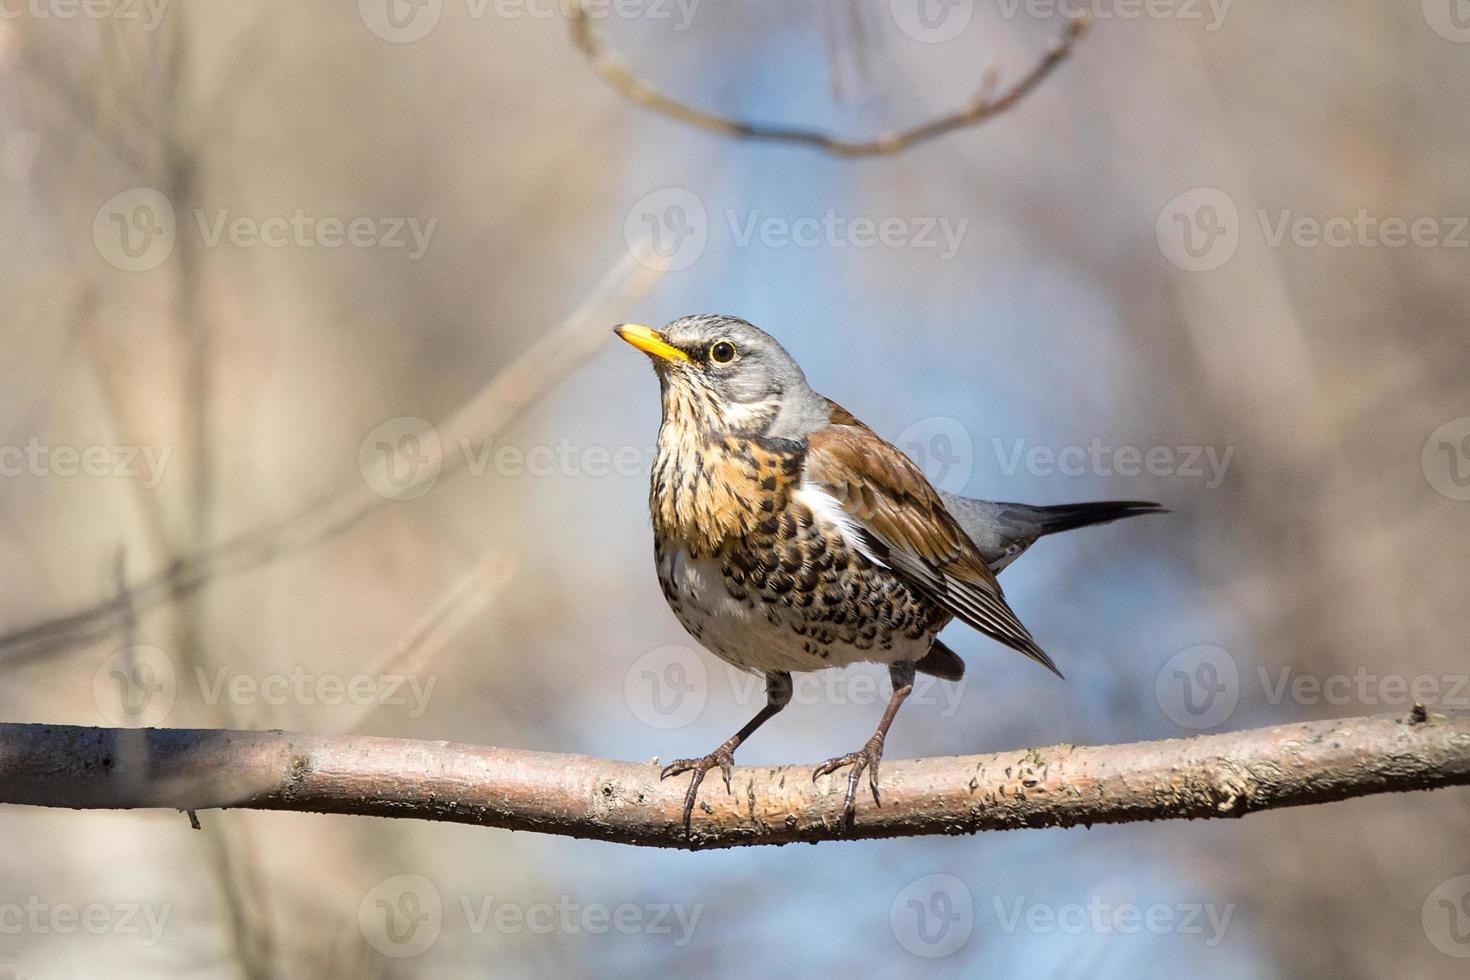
<point x="902" y="676"/>
<point x="778" y="695"/>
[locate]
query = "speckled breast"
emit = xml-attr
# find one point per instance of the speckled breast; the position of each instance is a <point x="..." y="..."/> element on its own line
<point x="775" y="587"/>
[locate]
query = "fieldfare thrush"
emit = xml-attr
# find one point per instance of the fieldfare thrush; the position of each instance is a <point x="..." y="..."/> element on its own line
<point x="788" y="536"/>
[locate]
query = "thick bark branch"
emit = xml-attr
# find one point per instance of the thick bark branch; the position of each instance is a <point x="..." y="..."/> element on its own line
<point x="1226" y="775"/>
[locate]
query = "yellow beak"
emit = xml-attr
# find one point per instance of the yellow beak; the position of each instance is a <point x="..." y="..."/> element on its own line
<point x="650" y="342"/>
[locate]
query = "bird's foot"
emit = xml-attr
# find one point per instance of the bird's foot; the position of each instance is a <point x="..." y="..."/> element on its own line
<point x="867" y="758"/>
<point x="722" y="758"/>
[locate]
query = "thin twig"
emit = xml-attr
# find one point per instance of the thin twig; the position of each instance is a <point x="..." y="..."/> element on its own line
<point x="982" y="107"/>
<point x="553" y="355"/>
<point x="1227" y="775"/>
<point x="453" y="610"/>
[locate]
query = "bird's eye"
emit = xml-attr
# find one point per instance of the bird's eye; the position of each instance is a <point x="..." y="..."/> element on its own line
<point x="722" y="352"/>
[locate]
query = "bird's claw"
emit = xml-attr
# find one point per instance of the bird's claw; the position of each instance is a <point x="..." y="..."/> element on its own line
<point x="867" y="758"/>
<point x="722" y="758"/>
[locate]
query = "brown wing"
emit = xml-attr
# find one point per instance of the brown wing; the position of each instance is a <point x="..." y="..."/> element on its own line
<point x="909" y="530"/>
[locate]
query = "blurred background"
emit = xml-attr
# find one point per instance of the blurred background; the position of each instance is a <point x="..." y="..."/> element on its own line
<point x="262" y="256"/>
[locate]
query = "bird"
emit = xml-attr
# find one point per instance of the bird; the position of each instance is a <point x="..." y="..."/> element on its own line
<point x="790" y="537"/>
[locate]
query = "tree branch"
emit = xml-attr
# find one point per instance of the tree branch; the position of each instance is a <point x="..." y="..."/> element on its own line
<point x="550" y="357"/>
<point x="983" y="106"/>
<point x="1226" y="775"/>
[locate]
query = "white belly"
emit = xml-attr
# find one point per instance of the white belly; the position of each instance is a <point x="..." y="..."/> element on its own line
<point x="754" y="636"/>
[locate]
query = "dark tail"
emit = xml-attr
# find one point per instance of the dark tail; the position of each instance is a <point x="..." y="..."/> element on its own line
<point x="1065" y="517"/>
<point x="1002" y="531"/>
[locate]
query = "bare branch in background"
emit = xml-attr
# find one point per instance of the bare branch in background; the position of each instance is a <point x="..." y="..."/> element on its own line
<point x="538" y="369"/>
<point x="984" y="105"/>
<point x="1226" y="775"/>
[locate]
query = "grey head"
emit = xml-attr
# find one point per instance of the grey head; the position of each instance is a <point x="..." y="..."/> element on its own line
<point x="730" y="376"/>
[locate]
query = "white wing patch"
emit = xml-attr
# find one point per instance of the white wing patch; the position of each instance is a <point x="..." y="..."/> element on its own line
<point x="829" y="510"/>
